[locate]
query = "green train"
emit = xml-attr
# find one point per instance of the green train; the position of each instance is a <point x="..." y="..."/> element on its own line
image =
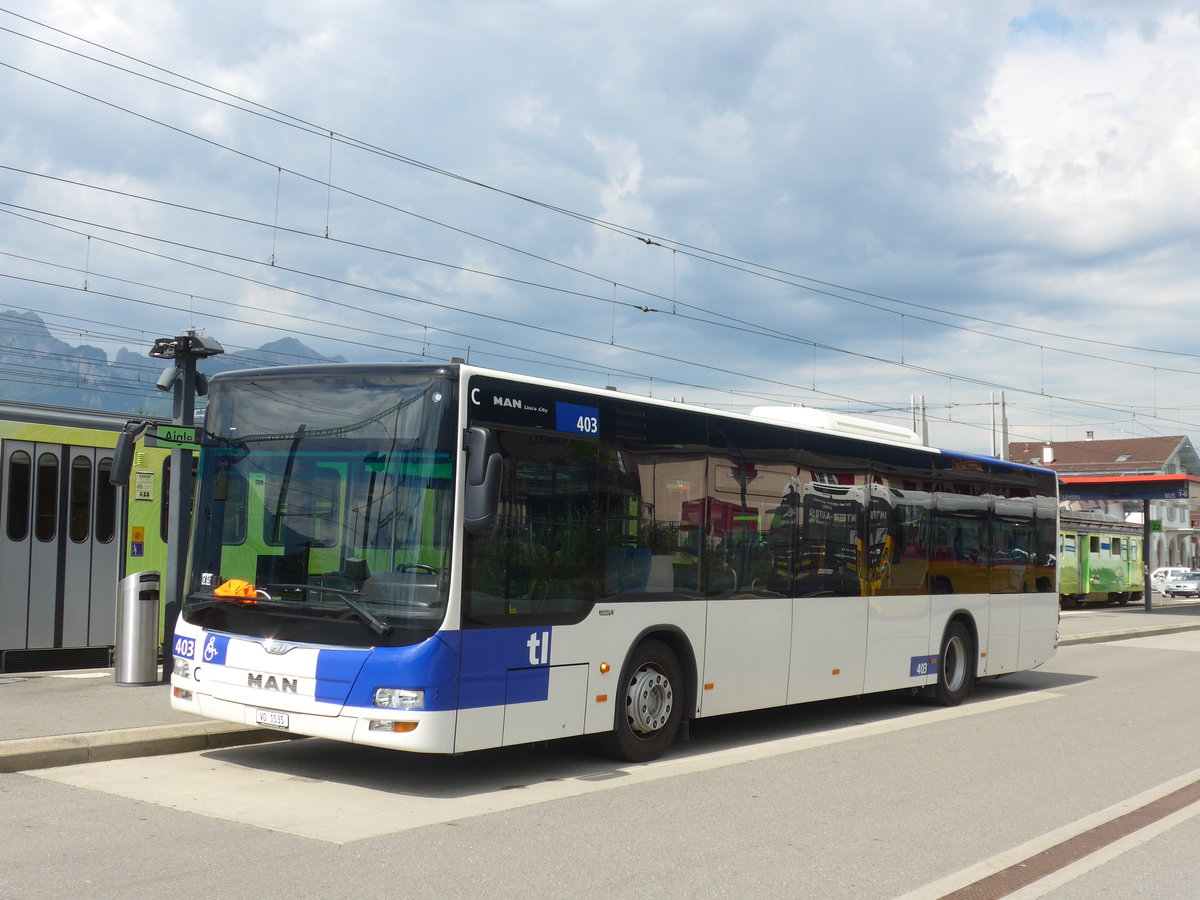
<point x="1098" y="562"/>
<point x="68" y="536"/>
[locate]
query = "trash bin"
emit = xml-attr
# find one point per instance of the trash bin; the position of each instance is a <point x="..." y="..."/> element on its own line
<point x="136" y="651"/>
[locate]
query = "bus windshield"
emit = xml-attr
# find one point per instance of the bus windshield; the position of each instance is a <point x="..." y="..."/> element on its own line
<point x="323" y="507"/>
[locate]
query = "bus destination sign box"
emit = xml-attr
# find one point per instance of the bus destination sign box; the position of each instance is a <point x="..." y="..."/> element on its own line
<point x="533" y="407"/>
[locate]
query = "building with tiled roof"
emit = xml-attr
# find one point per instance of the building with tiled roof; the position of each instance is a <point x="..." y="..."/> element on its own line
<point x="1169" y="455"/>
<point x="1178" y="542"/>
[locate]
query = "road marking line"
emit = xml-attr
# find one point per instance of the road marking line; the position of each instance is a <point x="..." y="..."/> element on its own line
<point x="270" y="795"/>
<point x="1083" y="845"/>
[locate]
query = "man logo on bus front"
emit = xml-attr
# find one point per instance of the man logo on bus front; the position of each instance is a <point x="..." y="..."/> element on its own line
<point x="539" y="648"/>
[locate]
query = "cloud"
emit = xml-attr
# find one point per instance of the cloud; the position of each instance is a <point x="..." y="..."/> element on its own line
<point x="1020" y="163"/>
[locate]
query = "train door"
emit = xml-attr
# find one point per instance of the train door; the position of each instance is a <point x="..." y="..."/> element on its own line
<point x="59" y="557"/>
<point x="16" y="507"/>
<point x="90" y="550"/>
<point x="1070" y="566"/>
<point x="106" y="553"/>
<point x="31" y="563"/>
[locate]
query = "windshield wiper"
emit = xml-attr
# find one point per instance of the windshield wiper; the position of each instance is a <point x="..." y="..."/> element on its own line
<point x="368" y="618"/>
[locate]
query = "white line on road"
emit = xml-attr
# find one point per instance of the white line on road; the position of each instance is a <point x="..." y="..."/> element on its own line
<point x="1019" y="854"/>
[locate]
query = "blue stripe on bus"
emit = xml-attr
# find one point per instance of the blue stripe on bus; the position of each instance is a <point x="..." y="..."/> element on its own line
<point x="504" y="665"/>
<point x="336" y="672"/>
<point x="493" y="667"/>
<point x="430" y="666"/>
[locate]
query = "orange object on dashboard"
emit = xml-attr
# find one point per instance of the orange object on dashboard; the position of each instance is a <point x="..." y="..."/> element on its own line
<point x="235" y="587"/>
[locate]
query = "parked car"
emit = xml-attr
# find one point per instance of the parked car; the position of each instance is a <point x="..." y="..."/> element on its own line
<point x="1158" y="578"/>
<point x="1185" y="585"/>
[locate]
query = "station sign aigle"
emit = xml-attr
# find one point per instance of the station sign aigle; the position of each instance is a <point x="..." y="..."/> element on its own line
<point x="173" y="437"/>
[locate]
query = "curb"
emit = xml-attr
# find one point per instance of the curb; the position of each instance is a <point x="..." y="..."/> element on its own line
<point x="126" y="743"/>
<point x="157" y="740"/>
<point x="1101" y="637"/>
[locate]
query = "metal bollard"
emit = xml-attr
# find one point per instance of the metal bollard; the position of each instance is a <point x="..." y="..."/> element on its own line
<point x="136" y="651"/>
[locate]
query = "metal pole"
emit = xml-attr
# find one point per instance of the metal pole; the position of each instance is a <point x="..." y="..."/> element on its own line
<point x="1146" y="593"/>
<point x="180" y="502"/>
<point x="1003" y="428"/>
<point x="992" y="404"/>
<point x="184" y="350"/>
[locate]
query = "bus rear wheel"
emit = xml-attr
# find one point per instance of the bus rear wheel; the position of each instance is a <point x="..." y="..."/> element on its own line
<point x="956" y="675"/>
<point x="649" y="705"/>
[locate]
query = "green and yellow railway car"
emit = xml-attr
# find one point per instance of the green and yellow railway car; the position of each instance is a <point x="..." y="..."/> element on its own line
<point x="1098" y="562"/>
<point x="68" y="536"/>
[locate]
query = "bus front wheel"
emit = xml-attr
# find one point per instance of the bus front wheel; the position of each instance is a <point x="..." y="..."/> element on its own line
<point x="649" y="704"/>
<point x="956" y="673"/>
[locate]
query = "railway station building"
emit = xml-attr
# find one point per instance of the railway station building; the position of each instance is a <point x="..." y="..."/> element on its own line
<point x="1174" y="520"/>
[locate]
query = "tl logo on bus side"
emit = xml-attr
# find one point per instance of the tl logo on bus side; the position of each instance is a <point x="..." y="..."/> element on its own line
<point x="539" y="648"/>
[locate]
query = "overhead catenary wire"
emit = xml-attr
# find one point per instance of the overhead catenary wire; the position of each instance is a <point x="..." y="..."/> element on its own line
<point x="685" y="247"/>
<point x="741" y="264"/>
<point x="735" y="323"/>
<point x="252" y="107"/>
<point x="586" y="339"/>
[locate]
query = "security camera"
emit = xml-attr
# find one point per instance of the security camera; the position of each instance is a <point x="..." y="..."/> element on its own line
<point x="167" y="379"/>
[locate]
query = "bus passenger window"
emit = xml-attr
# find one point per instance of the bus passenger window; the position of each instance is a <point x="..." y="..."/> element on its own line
<point x="541" y="560"/>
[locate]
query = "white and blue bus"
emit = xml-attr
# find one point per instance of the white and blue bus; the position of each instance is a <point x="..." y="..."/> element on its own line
<point x="443" y="558"/>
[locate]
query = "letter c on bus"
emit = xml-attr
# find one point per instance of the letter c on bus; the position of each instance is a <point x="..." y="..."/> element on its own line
<point x="475" y="396"/>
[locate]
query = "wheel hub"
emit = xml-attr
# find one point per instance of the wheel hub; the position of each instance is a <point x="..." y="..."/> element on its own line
<point x="954" y="664"/>
<point x="650" y="701"/>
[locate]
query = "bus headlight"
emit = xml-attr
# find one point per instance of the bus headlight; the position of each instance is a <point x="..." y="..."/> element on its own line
<point x="399" y="698"/>
<point x="182" y="667"/>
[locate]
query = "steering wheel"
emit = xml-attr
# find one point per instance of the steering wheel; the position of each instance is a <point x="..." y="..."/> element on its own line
<point x="417" y="567"/>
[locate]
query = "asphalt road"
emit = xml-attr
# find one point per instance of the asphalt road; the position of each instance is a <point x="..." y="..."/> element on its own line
<point x="874" y="797"/>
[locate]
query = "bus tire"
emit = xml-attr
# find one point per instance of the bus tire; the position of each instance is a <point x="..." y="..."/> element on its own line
<point x="649" y="704"/>
<point x="956" y="676"/>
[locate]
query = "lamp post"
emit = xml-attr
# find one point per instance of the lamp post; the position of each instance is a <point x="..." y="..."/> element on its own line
<point x="185" y="383"/>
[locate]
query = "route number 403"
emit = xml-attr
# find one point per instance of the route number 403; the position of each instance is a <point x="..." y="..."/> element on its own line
<point x="920" y="666"/>
<point x="588" y="425"/>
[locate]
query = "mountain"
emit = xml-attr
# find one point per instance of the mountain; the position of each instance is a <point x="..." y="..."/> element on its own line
<point x="37" y="367"/>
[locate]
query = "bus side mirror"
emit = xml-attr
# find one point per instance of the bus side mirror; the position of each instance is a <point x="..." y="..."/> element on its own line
<point x="483" y="481"/>
<point x="123" y="455"/>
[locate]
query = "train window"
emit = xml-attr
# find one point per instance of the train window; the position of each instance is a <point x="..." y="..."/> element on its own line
<point x="233" y="530"/>
<point x="17" y="513"/>
<point x="106" y="503"/>
<point x="1094" y="544"/>
<point x="79" y="499"/>
<point x="1116" y="546"/>
<point x="164" y="508"/>
<point x="45" y="513"/>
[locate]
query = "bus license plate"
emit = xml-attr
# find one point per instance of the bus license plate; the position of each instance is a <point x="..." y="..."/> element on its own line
<point x="270" y="718"/>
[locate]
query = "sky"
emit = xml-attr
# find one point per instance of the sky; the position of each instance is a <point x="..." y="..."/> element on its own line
<point x="856" y="206"/>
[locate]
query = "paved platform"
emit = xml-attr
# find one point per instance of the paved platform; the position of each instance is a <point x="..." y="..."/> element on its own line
<point x="62" y="718"/>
